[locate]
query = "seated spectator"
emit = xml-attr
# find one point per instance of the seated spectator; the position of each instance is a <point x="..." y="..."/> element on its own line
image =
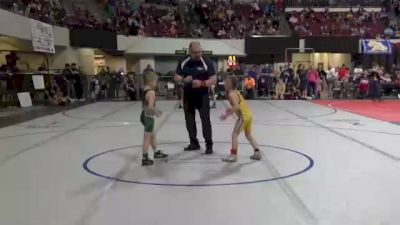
<point x="280" y="90"/>
<point x="249" y="85"/>
<point x="56" y="97"/>
<point x="389" y="32"/>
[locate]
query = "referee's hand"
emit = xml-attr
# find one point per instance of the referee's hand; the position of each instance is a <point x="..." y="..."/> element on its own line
<point x="188" y="79"/>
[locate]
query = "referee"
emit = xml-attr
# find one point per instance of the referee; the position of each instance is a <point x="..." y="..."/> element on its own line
<point x="197" y="74"/>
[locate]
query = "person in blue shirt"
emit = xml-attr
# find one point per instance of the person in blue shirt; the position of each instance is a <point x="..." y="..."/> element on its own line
<point x="198" y="75"/>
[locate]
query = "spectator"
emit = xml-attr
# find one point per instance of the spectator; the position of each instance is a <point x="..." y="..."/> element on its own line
<point x="148" y="69"/>
<point x="322" y="75"/>
<point x="343" y="72"/>
<point x="103" y="77"/>
<point x="130" y="88"/>
<point x="363" y="85"/>
<point x="253" y="72"/>
<point x="62" y="84"/>
<point x="331" y="78"/>
<point x="11" y="61"/>
<point x="56" y="97"/>
<point x="358" y="71"/>
<point x="374" y="86"/>
<point x="262" y="83"/>
<point x="302" y="74"/>
<point x="280" y="90"/>
<point x="113" y="90"/>
<point x="68" y="75"/>
<point x="312" y="77"/>
<point x="94" y="88"/>
<point x="77" y="81"/>
<point x="249" y="85"/>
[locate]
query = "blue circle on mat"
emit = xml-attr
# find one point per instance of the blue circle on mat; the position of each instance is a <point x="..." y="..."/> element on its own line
<point x="87" y="161"/>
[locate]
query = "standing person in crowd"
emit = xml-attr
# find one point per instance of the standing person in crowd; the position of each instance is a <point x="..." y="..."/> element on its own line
<point x="280" y="89"/>
<point x="363" y="85"/>
<point x="262" y="83"/>
<point x="130" y="88"/>
<point x="374" y="86"/>
<point x="77" y="81"/>
<point x="148" y="69"/>
<point x="331" y="79"/>
<point x="295" y="91"/>
<point x="249" y="85"/>
<point x="343" y="72"/>
<point x="312" y="77"/>
<point x="287" y="74"/>
<point x="94" y="88"/>
<point x="358" y="71"/>
<point x="112" y="84"/>
<point x="197" y="74"/>
<point x="302" y="74"/>
<point x="103" y="80"/>
<point x="253" y="72"/>
<point x="67" y="73"/>
<point x="322" y="74"/>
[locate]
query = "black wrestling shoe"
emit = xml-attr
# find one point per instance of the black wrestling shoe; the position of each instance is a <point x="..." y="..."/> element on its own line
<point x="209" y="150"/>
<point x="147" y="162"/>
<point x="160" y="155"/>
<point x="192" y="147"/>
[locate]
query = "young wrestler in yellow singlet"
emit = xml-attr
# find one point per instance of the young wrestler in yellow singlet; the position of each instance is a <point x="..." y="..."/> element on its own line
<point x="244" y="121"/>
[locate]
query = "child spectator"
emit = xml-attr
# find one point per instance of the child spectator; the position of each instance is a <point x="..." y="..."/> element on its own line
<point x="280" y="90"/>
<point x="249" y="85"/>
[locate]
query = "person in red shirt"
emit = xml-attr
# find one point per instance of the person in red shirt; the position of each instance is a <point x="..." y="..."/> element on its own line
<point x="363" y="85"/>
<point x="343" y="71"/>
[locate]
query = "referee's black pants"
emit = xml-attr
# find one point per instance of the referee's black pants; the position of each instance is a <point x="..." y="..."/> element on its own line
<point x="201" y="103"/>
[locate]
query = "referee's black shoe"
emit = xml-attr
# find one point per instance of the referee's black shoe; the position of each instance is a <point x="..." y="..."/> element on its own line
<point x="209" y="150"/>
<point x="192" y="147"/>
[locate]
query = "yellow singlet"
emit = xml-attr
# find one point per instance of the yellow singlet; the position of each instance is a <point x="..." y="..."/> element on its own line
<point x="244" y="115"/>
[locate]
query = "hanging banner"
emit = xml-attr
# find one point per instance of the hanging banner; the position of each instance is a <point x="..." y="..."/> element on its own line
<point x="42" y="37"/>
<point x="373" y="46"/>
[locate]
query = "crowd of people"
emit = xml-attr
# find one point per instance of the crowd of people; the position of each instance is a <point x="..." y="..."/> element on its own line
<point x="217" y="19"/>
<point x="352" y="23"/>
<point x="310" y="82"/>
<point x="208" y="19"/>
<point x="109" y="84"/>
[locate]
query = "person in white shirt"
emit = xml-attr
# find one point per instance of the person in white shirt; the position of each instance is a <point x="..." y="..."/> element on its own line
<point x="358" y="70"/>
<point x="331" y="78"/>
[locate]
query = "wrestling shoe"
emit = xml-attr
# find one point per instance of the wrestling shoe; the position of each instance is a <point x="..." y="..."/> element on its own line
<point x="192" y="147"/>
<point x="147" y="162"/>
<point x="256" y="156"/>
<point x="230" y="158"/>
<point x="160" y="155"/>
